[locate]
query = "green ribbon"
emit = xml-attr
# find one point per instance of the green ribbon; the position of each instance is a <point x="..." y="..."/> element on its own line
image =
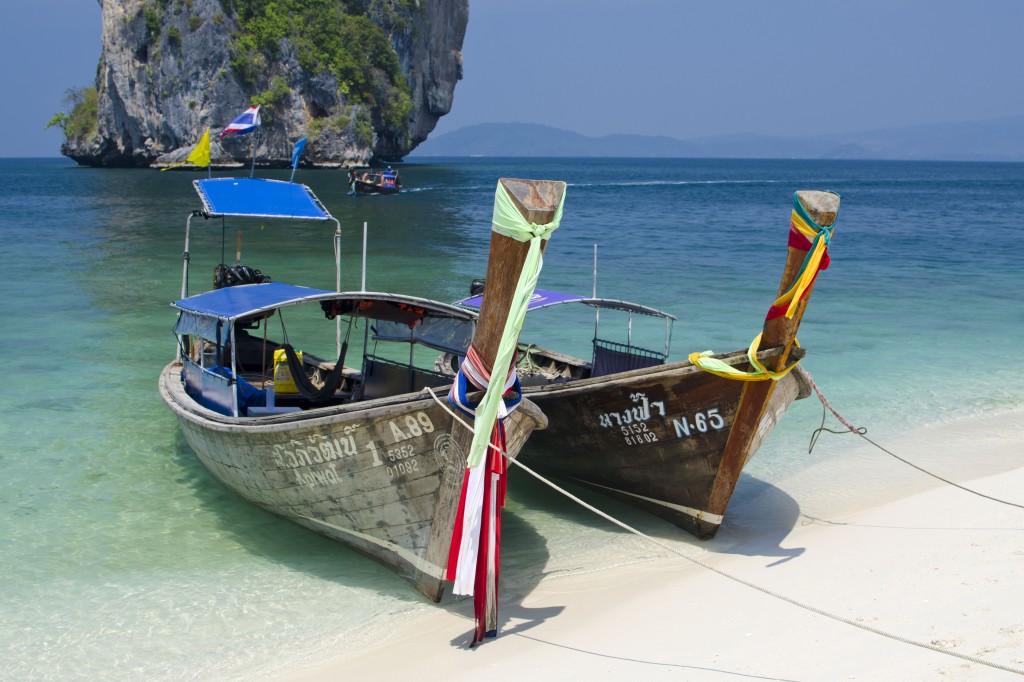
<point x="508" y="221"/>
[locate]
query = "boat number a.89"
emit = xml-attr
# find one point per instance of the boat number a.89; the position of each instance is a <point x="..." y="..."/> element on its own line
<point x="418" y="424"/>
<point x="415" y="425"/>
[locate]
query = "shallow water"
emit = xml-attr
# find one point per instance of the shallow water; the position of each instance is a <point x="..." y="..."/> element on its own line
<point x="123" y="559"/>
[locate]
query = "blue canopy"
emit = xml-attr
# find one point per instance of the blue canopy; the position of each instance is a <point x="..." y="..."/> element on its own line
<point x="232" y="303"/>
<point x="400" y="317"/>
<point x="206" y="315"/>
<point x="542" y="298"/>
<point x="259" y="198"/>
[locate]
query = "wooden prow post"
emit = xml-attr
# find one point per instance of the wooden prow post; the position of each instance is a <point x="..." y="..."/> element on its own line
<point x="822" y="207"/>
<point x="537" y="201"/>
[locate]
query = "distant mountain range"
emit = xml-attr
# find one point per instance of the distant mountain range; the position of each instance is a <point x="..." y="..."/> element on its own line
<point x="1000" y="139"/>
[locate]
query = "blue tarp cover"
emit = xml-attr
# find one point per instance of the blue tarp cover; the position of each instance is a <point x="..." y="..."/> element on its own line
<point x="543" y="298"/>
<point x="439" y="333"/>
<point x="231" y="303"/>
<point x="207" y="315"/>
<point x="259" y="198"/>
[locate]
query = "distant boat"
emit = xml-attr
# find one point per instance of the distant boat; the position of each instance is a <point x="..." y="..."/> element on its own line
<point x="670" y="438"/>
<point x="364" y="180"/>
<point x="355" y="450"/>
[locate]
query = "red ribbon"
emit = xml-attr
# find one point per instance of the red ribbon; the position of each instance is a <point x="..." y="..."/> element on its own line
<point x="801" y="243"/>
<point x="488" y="558"/>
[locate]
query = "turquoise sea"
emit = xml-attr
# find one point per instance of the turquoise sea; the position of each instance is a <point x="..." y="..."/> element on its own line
<point x="124" y="560"/>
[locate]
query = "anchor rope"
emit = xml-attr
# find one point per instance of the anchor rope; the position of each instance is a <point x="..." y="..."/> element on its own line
<point x="862" y="432"/>
<point x="725" y="574"/>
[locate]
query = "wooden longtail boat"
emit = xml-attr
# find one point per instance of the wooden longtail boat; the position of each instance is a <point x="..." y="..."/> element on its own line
<point x="361" y="454"/>
<point x="670" y="438"/>
<point x="367" y="181"/>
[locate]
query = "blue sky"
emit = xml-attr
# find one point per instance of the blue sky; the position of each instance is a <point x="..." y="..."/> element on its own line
<point x="660" y="67"/>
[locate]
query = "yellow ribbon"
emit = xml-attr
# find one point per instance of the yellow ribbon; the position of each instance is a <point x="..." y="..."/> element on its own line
<point x="722" y="369"/>
<point x="819" y="245"/>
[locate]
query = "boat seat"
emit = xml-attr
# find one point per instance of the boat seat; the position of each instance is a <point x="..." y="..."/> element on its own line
<point x="270" y="407"/>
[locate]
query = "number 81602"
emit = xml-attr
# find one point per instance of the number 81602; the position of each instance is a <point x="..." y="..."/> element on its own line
<point x="637" y="434"/>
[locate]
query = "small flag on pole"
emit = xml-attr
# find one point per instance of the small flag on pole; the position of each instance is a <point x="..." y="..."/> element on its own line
<point x="247" y="121"/>
<point x="296" y="155"/>
<point x="200" y="155"/>
<point x="297" y="152"/>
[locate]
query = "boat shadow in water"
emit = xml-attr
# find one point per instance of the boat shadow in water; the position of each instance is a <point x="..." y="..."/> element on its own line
<point x="761" y="517"/>
<point x="263" y="534"/>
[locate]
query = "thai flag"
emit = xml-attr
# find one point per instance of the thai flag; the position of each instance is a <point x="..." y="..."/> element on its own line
<point x="248" y="121"/>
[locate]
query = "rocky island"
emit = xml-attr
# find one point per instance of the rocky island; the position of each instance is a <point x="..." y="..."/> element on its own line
<point x="362" y="79"/>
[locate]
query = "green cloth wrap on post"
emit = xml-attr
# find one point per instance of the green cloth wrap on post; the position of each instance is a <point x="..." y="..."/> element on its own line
<point x="508" y="221"/>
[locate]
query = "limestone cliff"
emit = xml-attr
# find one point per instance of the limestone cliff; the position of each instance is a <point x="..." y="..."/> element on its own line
<point x="170" y="69"/>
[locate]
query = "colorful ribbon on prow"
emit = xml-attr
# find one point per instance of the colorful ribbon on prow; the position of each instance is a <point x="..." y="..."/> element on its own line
<point x="473" y="558"/>
<point x="804" y="235"/>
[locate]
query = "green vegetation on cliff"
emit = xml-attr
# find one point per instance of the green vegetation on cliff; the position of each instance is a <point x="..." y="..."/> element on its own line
<point x="80" y="122"/>
<point x="329" y="36"/>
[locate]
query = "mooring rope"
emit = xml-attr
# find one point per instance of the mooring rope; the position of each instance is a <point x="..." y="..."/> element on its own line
<point x="862" y="432"/>
<point x="703" y="564"/>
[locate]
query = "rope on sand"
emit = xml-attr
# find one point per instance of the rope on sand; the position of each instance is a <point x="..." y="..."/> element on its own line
<point x="729" y="576"/>
<point x="861" y="431"/>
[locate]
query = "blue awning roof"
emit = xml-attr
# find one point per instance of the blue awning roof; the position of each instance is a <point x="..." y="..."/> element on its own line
<point x="231" y="303"/>
<point x="399" y="317"/>
<point x="542" y="298"/>
<point x="259" y="198"/>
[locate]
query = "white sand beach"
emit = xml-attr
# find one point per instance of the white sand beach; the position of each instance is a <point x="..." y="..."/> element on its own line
<point x="917" y="562"/>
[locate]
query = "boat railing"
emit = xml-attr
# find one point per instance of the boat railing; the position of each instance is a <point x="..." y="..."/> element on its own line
<point x="611" y="357"/>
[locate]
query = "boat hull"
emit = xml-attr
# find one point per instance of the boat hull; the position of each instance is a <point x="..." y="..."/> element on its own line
<point x="360" y="187"/>
<point x="382" y="477"/>
<point x="653" y="437"/>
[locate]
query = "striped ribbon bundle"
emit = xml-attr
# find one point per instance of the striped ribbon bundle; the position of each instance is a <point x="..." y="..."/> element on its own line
<point x="804" y="235"/>
<point x="472" y="570"/>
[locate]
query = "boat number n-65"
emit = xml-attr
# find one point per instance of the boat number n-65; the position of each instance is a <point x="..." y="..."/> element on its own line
<point x="702" y="422"/>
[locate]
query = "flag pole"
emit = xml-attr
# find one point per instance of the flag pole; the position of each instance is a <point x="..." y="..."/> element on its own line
<point x="296" y="155"/>
<point x="252" y="169"/>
